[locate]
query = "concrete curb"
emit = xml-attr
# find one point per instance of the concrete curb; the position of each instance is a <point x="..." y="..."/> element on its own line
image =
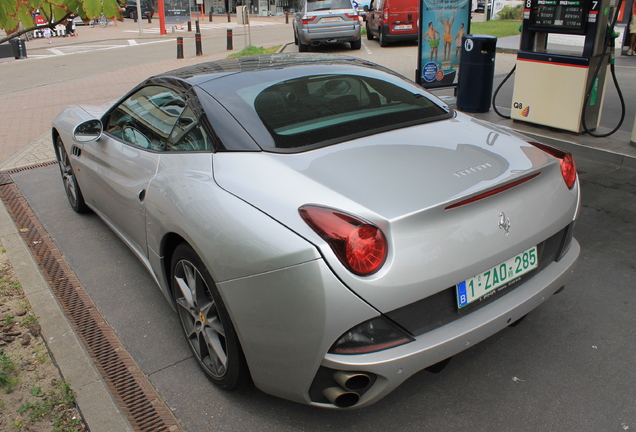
<point x="95" y="401"/>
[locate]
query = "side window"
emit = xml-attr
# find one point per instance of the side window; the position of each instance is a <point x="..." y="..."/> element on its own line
<point x="189" y="134"/>
<point x="147" y="117"/>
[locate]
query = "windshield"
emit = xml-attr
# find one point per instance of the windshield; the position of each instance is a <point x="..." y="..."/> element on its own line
<point x="299" y="108"/>
<point x="328" y="5"/>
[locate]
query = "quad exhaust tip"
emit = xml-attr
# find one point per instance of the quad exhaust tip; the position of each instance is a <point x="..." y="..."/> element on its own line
<point x="350" y="383"/>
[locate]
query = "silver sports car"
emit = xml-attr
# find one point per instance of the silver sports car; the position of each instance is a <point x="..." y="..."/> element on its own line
<point x="322" y="225"/>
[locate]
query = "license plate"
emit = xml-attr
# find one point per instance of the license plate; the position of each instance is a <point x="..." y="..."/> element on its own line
<point x="331" y="19"/>
<point x="403" y="27"/>
<point x="496" y="277"/>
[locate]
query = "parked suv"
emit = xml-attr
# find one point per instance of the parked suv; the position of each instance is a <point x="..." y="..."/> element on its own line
<point x="326" y="21"/>
<point x="131" y="9"/>
<point x="392" y="20"/>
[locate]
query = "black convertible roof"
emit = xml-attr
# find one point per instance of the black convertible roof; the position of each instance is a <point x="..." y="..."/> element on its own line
<point x="260" y="62"/>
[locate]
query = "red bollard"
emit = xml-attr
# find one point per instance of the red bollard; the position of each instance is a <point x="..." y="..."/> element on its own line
<point x="179" y="47"/>
<point x="229" y="40"/>
<point x="197" y="40"/>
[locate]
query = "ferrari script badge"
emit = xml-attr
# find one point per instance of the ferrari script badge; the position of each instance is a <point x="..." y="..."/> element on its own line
<point x="504" y="223"/>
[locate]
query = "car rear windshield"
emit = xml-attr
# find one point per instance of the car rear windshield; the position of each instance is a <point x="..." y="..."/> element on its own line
<point x="319" y="109"/>
<point x="328" y="5"/>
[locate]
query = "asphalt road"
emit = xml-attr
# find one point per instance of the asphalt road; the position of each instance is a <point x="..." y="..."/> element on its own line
<point x="569" y="366"/>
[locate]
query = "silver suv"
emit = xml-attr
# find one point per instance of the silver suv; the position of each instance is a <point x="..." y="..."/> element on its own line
<point x="326" y="21"/>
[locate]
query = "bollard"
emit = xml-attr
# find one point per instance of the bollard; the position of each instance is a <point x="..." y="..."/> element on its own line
<point x="229" y="40"/>
<point x="210" y="19"/>
<point x="633" y="141"/>
<point x="197" y="40"/>
<point x="189" y="26"/>
<point x="196" y="23"/>
<point x="149" y="19"/>
<point x="286" y="17"/>
<point x="228" y="17"/>
<point x="179" y="47"/>
<point x="135" y="18"/>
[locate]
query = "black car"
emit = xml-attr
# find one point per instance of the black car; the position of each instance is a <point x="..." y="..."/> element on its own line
<point x="131" y="9"/>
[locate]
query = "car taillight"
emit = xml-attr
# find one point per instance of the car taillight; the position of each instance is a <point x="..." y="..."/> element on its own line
<point x="358" y="244"/>
<point x="566" y="161"/>
<point x="386" y="14"/>
<point x="308" y="19"/>
<point x="352" y="16"/>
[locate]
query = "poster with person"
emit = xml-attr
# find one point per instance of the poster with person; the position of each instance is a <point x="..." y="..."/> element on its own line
<point x="443" y="23"/>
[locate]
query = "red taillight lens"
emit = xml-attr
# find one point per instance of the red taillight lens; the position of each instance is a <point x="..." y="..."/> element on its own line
<point x="352" y="16"/>
<point x="358" y="244"/>
<point x="308" y="19"/>
<point x="568" y="167"/>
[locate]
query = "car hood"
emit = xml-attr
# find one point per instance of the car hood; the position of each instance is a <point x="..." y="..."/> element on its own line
<point x="402" y="181"/>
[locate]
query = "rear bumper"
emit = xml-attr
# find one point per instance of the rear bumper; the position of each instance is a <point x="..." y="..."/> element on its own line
<point x="315" y="37"/>
<point x="397" y="37"/>
<point x="393" y="366"/>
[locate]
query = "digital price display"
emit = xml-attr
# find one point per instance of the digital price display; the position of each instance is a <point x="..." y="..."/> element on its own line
<point x="559" y="16"/>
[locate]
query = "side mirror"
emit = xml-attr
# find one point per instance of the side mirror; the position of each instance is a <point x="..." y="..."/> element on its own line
<point x="90" y="130"/>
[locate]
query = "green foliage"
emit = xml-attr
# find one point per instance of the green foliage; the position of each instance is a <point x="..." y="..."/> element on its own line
<point x="511" y="13"/>
<point x="252" y="50"/>
<point x="7" y="370"/>
<point x="496" y="28"/>
<point x="56" y="401"/>
<point x="16" y="12"/>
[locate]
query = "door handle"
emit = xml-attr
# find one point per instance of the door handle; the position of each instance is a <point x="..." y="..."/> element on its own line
<point x="141" y="195"/>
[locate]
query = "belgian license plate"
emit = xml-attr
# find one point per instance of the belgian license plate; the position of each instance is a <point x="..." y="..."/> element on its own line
<point x="331" y="19"/>
<point x="496" y="277"/>
<point x="403" y="27"/>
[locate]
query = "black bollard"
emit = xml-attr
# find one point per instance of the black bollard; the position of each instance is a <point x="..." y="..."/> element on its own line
<point x="179" y="47"/>
<point x="197" y="39"/>
<point x="149" y="19"/>
<point x="229" y="40"/>
<point x="286" y="17"/>
<point x="189" y="26"/>
<point x="210" y="19"/>
<point x="196" y="23"/>
<point x="228" y="17"/>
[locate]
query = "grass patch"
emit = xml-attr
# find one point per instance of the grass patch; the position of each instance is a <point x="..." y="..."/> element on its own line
<point x="7" y="373"/>
<point x="497" y="29"/>
<point x="252" y="50"/>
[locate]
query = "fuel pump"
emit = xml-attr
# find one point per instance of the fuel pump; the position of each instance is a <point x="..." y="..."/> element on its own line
<point x="556" y="87"/>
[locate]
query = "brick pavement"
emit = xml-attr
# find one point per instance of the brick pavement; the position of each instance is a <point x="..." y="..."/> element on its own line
<point x="35" y="90"/>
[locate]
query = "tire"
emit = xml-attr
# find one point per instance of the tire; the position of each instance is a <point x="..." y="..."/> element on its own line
<point x="355" y="45"/>
<point x="302" y="47"/>
<point x="205" y="321"/>
<point x="369" y="34"/>
<point x="72" y="189"/>
<point x="295" y="39"/>
<point x="382" y="38"/>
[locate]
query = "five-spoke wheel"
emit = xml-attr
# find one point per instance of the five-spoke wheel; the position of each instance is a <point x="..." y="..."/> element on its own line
<point x="205" y="321"/>
<point x="73" y="192"/>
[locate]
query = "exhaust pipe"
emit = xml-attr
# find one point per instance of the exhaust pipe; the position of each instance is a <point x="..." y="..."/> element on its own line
<point x="352" y="381"/>
<point x="340" y="397"/>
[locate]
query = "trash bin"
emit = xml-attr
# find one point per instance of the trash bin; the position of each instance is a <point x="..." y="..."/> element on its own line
<point x="19" y="48"/>
<point x="476" y="73"/>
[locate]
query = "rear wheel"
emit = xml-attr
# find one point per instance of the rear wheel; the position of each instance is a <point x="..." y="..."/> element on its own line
<point x="382" y="38"/>
<point x="302" y="47"/>
<point x="205" y="321"/>
<point x="73" y="192"/>
<point x="355" y="45"/>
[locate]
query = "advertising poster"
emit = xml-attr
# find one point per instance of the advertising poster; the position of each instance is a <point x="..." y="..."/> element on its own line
<point x="442" y="23"/>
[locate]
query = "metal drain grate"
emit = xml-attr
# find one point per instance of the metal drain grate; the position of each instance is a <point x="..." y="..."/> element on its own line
<point x="134" y="393"/>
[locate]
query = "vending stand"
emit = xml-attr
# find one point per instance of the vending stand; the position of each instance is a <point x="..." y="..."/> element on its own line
<point x="553" y="85"/>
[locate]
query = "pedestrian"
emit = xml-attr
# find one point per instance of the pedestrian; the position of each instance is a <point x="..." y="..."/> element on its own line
<point x="47" y="33"/>
<point x="70" y="27"/>
<point x="632" y="30"/>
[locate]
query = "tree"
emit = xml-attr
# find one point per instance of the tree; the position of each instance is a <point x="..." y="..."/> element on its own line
<point x="16" y="16"/>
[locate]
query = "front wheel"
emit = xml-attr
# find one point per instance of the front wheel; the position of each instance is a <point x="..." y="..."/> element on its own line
<point x="382" y="38"/>
<point x="73" y="192"/>
<point x="206" y="322"/>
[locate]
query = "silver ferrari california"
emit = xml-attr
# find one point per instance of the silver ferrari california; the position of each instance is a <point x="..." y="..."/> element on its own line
<point x="322" y="225"/>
